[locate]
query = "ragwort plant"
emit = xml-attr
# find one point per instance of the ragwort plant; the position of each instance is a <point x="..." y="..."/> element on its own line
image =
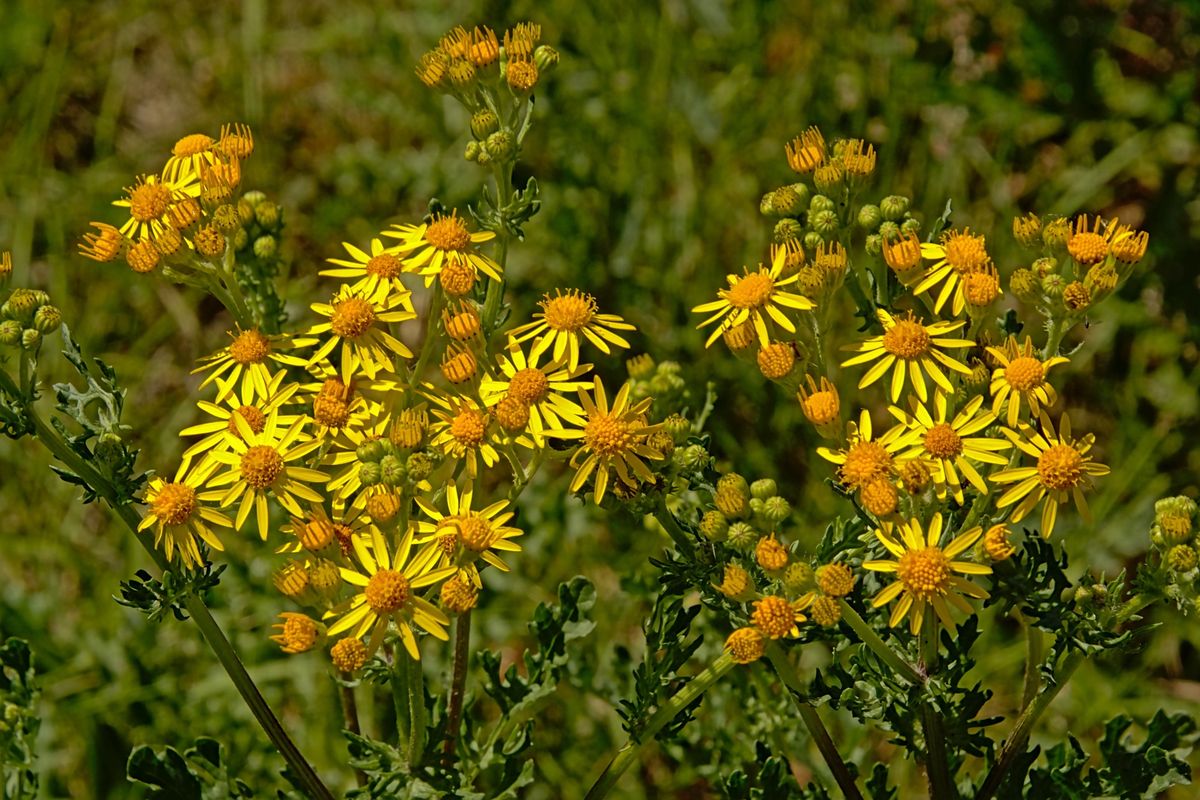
<point x="379" y="454"/>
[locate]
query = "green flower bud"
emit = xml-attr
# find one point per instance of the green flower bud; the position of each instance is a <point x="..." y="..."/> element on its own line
<point x="31" y="339"/>
<point x="894" y="207"/>
<point x="484" y="123"/>
<point x="240" y="239"/>
<point x="640" y="366"/>
<point x="911" y="225"/>
<point x="874" y="244"/>
<point x="786" y="229"/>
<point x="10" y="332"/>
<point x="267" y="215"/>
<point x="472" y="151"/>
<point x="1053" y="285"/>
<point x="692" y="458"/>
<point x="890" y="231"/>
<point x="821" y="203"/>
<point x="245" y="211"/>
<point x="47" y="319"/>
<point x="392" y="471"/>
<point x="1045" y="266"/>
<point x="501" y="146"/>
<point x="678" y="426"/>
<point x="1056" y="234"/>
<point x="21" y="305"/>
<point x="420" y="465"/>
<point x="799" y="578"/>
<point x="978" y="379"/>
<point x="714" y="526"/>
<point x="766" y="206"/>
<point x="764" y="488"/>
<point x="742" y="536"/>
<point x="370" y="473"/>
<point x="1025" y="285"/>
<point x="1181" y="558"/>
<point x="264" y="246"/>
<point x="370" y="450"/>
<point x="734" y="482"/>
<point x="869" y="218"/>
<point x="254" y="197"/>
<point x="825" y="223"/>
<point x="226" y="218"/>
<point x="545" y="58"/>
<point x="802" y="196"/>
<point x="785" y="202"/>
<point x="755" y="505"/>
<point x="776" y="510"/>
<point x="812" y="241"/>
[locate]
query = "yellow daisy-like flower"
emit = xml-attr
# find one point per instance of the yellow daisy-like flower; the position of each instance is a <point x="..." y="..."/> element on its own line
<point x="960" y="253"/>
<point x="247" y="361"/>
<point x="538" y="388"/>
<point x="189" y="154"/>
<point x="463" y="430"/>
<point x="388" y="594"/>
<point x="178" y="514"/>
<point x="755" y="297"/>
<point x="319" y="530"/>
<point x="865" y="458"/>
<point x="563" y="320"/>
<point x="431" y="246"/>
<point x="910" y="348"/>
<point x="378" y="273"/>
<point x="1064" y="469"/>
<point x="262" y="464"/>
<point x="338" y="407"/>
<point x="354" y="323"/>
<point x="462" y="536"/>
<point x="925" y="573"/>
<point x="614" y="437"/>
<point x="244" y="401"/>
<point x="1021" y="376"/>
<point x="777" y="617"/>
<point x="951" y="445"/>
<point x="150" y="199"/>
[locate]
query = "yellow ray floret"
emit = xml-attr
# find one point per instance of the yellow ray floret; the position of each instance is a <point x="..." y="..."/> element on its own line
<point x="756" y="297"/>
<point x="464" y="535"/>
<point x="356" y="322"/>
<point x="566" y="319"/>
<point x="377" y="273"/>
<point x="1021" y="376"/>
<point x="179" y="514"/>
<point x="912" y="350"/>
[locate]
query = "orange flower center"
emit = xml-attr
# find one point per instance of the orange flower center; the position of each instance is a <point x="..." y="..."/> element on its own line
<point x="468" y="427"/>
<point x="980" y="288"/>
<point x="174" y="504"/>
<point x="352" y="317"/>
<point x="192" y="145"/>
<point x="879" y="497"/>
<point x="253" y="416"/>
<point x="1024" y="373"/>
<point x="457" y="278"/>
<point x="907" y="339"/>
<point x="965" y="252"/>
<point x="512" y="413"/>
<point x="476" y="534"/>
<point x="448" y="233"/>
<point x="607" y="434"/>
<point x="250" y="347"/>
<point x="774" y="616"/>
<point x="1088" y="247"/>
<point x="569" y="312"/>
<point x="822" y="408"/>
<point x="329" y="410"/>
<point x="385" y="265"/>
<point x="149" y="201"/>
<point x="387" y="591"/>
<point x="529" y="385"/>
<point x="942" y="442"/>
<point x="751" y="291"/>
<point x="348" y="655"/>
<point x="261" y="466"/>
<point x="865" y="461"/>
<point x="1060" y="467"/>
<point x="925" y="573"/>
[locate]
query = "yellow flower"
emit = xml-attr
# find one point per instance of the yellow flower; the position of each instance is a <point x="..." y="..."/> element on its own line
<point x="613" y="437"/>
<point x="463" y="431"/>
<point x="912" y="348"/>
<point x="564" y="318"/>
<point x="865" y="458"/>
<point x="821" y="405"/>
<point x="388" y="594"/>
<point x="1064" y="469"/>
<point x="444" y="240"/>
<point x="925" y="573"/>
<point x="188" y="154"/>
<point x="378" y="273"/>
<point x="150" y="200"/>
<point x="338" y="407"/>
<point x="463" y="535"/>
<point x="178" y="514"/>
<point x="755" y="296"/>
<point x="298" y="633"/>
<point x="951" y="445"/>
<point x="1021" y="376"/>
<point x="354" y="319"/>
<point x="261" y="464"/>
<point x="244" y="401"/>
<point x="538" y="388"/>
<point x="318" y="530"/>
<point x="777" y="617"/>
<point x="959" y="254"/>
<point x="246" y="360"/>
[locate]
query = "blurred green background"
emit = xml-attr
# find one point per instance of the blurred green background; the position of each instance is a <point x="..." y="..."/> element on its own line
<point x="654" y="140"/>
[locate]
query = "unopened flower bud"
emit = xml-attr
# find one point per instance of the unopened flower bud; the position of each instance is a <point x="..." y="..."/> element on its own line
<point x="370" y="473"/>
<point x="47" y="319"/>
<point x="545" y="58"/>
<point x="775" y="510"/>
<point x="764" y="488"/>
<point x="1052" y="286"/>
<point x="419" y="466"/>
<point x="770" y="554"/>
<point x="1181" y="558"/>
<point x="1056" y="234"/>
<point x="471" y="153"/>
<point x="484" y="123"/>
<point x="265" y="247"/>
<point x="874" y="245"/>
<point x="1076" y="296"/>
<point x="742" y="536"/>
<point x="501" y="146"/>
<point x="786" y="229"/>
<point x="825" y="223"/>
<point x="714" y="526"/>
<point x="678" y="426"/>
<point x="910" y="225"/>
<point x="31" y="339"/>
<point x="799" y="578"/>
<point x="370" y="450"/>
<point x="10" y="332"/>
<point x="869" y="217"/>
<point x="1025" y="285"/>
<point x="894" y="207"/>
<point x="392" y="471"/>
<point x="1028" y="230"/>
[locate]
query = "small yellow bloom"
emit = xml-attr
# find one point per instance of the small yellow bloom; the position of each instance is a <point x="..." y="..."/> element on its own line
<point x="865" y="458"/>
<point x="1064" y="469"/>
<point x="1021" y="376"/>
<point x="179" y="514"/>
<point x="959" y="254"/>
<point x="355" y="323"/>
<point x="540" y="388"/>
<point x="464" y="535"/>
<point x="925" y="573"/>
<point x="911" y="349"/>
<point x="755" y="297"/>
<point x="246" y="360"/>
<point x="378" y="272"/>
<point x="463" y="430"/>
<point x="431" y="247"/>
<point x="777" y="617"/>
<point x="246" y="401"/>
<point x="298" y="633"/>
<point x="564" y="320"/>
<point x="150" y="200"/>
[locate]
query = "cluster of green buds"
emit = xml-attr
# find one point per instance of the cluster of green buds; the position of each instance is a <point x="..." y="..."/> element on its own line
<point x="1174" y="539"/>
<point x="397" y="462"/>
<point x="256" y="241"/>
<point x="742" y="513"/>
<point x="662" y="380"/>
<point x="25" y="317"/>
<point x="1078" y="263"/>
<point x="889" y="221"/>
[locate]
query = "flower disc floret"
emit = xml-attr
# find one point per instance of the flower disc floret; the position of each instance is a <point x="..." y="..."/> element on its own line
<point x="907" y="339"/>
<point x="965" y="251"/>
<point x="1025" y="373"/>
<point x="149" y="201"/>
<point x="607" y="434"/>
<point x="1060" y="467"/>
<point x="835" y="580"/>
<point x="253" y="417"/>
<point x="174" y="504"/>
<point x="448" y="233"/>
<point x="348" y="655"/>
<point x="942" y="441"/>
<point x="529" y="385"/>
<point x="468" y="427"/>
<point x="925" y="573"/>
<point x="475" y="533"/>
<point x="261" y="466"/>
<point x="752" y="290"/>
<point x="746" y="645"/>
<point x="387" y="591"/>
<point x="569" y="312"/>
<point x="384" y="265"/>
<point x="865" y="461"/>
<point x="330" y="411"/>
<point x="774" y="616"/>
<point x="352" y="317"/>
<point x="250" y="347"/>
<point x="192" y="145"/>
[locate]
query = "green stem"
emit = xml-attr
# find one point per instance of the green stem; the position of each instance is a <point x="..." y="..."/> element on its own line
<point x="1054" y="337"/>
<point x="937" y="762"/>
<point x="399" y="684"/>
<point x="435" y="309"/>
<point x="677" y="534"/>
<point x="350" y="717"/>
<point x="871" y="639"/>
<point x="812" y="721"/>
<point x="1034" y="653"/>
<point x="632" y="749"/>
<point x="495" y="291"/>
<point x="416" y="711"/>
<point x="199" y="612"/>
<point x="458" y="682"/>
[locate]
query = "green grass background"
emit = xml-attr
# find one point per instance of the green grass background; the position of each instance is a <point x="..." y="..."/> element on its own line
<point x="655" y="137"/>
